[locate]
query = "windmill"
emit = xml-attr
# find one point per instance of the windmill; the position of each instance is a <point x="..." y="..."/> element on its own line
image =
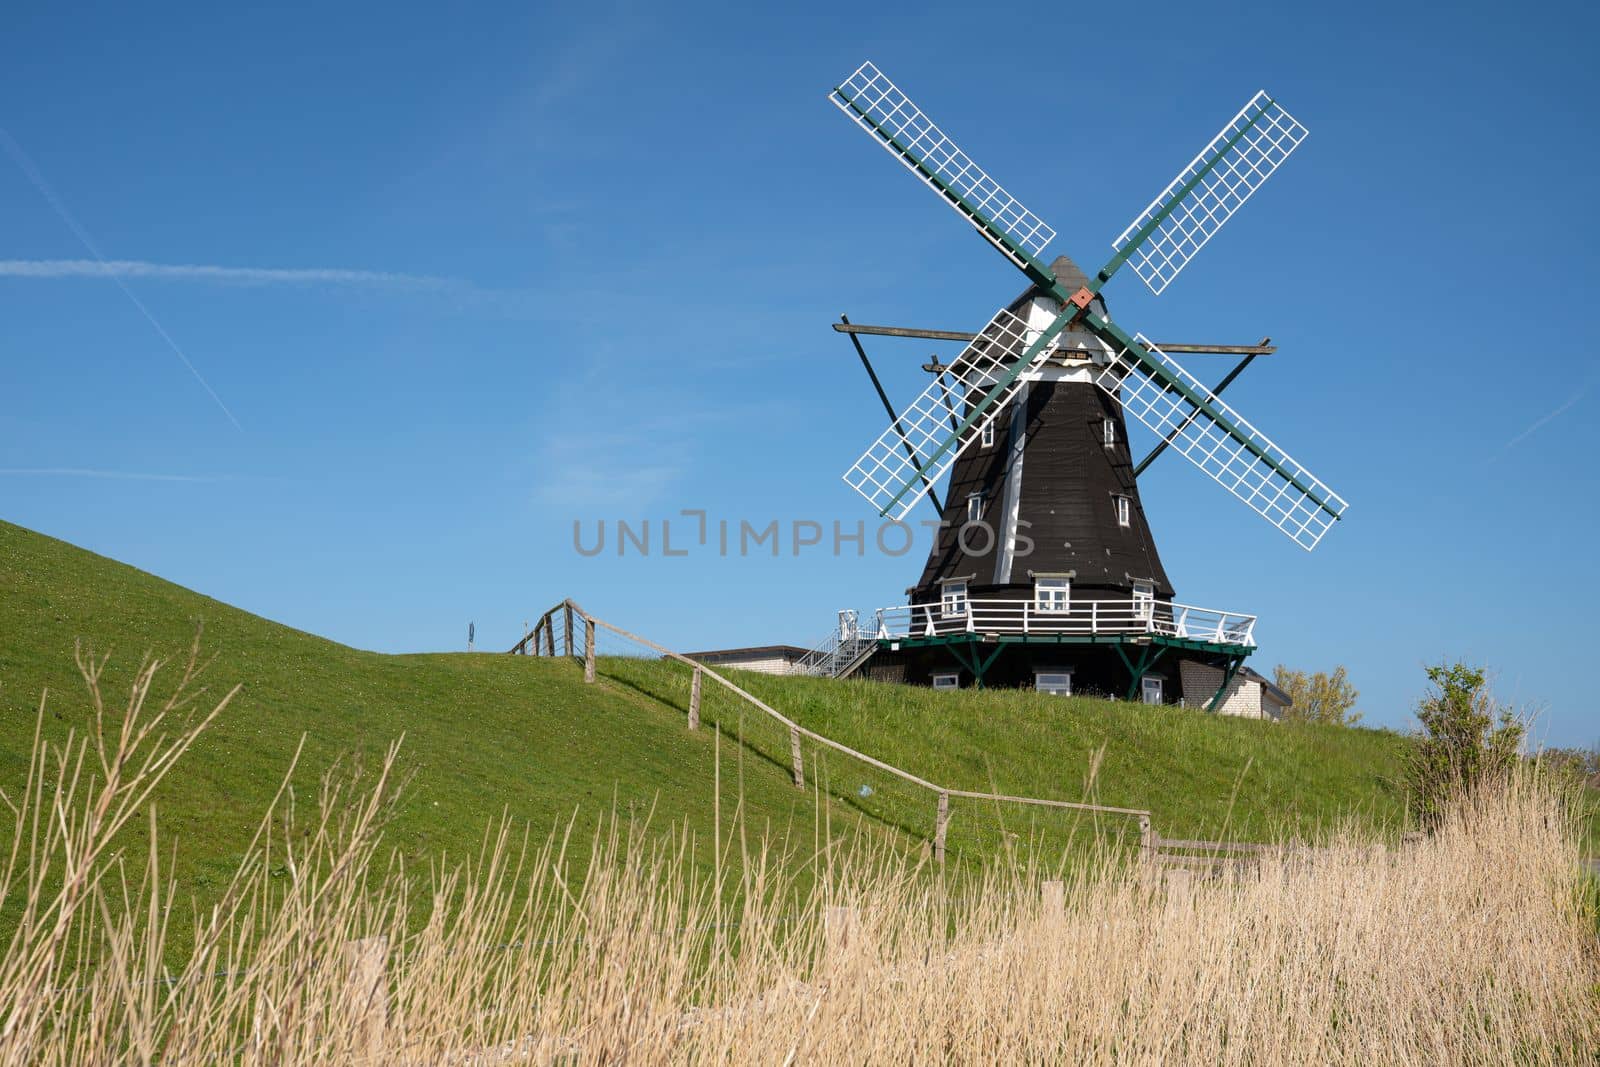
<point x="1029" y="422"/>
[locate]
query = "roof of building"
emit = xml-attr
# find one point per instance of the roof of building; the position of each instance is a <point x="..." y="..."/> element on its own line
<point x="1266" y="684"/>
<point x="794" y="651"/>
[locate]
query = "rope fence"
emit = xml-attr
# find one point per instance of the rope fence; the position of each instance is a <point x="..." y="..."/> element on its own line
<point x="885" y="791"/>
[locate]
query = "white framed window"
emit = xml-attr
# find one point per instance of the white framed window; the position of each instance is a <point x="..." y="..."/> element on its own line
<point x="1052" y="594"/>
<point x="986" y="439"/>
<point x="1056" y="683"/>
<point x="1124" y="510"/>
<point x="947" y="681"/>
<point x="1150" y="689"/>
<point x="975" y="507"/>
<point x="953" y="599"/>
<point x="1108" y="432"/>
<point x="1144" y="599"/>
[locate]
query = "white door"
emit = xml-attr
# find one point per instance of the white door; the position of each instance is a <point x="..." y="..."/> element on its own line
<point x="1150" y="689"/>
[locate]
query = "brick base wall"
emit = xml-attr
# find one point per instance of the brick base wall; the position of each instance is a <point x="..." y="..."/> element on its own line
<point x="1243" y="697"/>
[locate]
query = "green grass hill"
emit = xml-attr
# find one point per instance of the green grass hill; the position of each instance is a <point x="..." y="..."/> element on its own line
<point x="486" y="733"/>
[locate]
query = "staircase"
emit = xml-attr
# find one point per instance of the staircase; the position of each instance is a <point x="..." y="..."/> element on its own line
<point x="840" y="653"/>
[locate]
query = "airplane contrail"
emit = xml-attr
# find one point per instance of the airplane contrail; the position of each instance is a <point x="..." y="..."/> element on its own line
<point x="22" y="160"/>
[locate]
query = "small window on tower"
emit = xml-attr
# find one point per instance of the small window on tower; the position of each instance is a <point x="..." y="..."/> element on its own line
<point x="1108" y="430"/>
<point x="1124" y="510"/>
<point x="988" y="436"/>
<point x="953" y="599"/>
<point x="1052" y="594"/>
<point x="975" y="507"/>
<point x="947" y="681"/>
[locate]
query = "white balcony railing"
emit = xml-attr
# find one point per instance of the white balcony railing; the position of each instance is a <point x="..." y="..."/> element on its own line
<point x="983" y="616"/>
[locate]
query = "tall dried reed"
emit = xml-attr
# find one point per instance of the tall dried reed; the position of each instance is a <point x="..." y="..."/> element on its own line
<point x="1476" y="945"/>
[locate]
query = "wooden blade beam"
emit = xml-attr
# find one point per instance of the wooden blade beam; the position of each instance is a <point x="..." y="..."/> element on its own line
<point x="894" y="420"/>
<point x="1262" y="349"/>
<point x="1216" y="390"/>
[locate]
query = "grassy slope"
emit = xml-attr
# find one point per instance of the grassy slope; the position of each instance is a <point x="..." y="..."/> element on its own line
<point x="1200" y="775"/>
<point x="483" y="733"/>
<point x="491" y="732"/>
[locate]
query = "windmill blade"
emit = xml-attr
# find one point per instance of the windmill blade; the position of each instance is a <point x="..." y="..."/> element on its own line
<point x="1170" y="401"/>
<point x="1205" y="194"/>
<point x="918" y="447"/>
<point x="878" y="106"/>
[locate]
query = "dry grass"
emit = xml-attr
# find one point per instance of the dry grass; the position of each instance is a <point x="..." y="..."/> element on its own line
<point x="1475" y="946"/>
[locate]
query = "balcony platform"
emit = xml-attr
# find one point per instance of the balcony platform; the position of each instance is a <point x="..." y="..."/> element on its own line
<point x="965" y="637"/>
<point x="1136" y="635"/>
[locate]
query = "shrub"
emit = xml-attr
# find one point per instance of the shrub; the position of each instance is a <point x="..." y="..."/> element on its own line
<point x="1468" y="740"/>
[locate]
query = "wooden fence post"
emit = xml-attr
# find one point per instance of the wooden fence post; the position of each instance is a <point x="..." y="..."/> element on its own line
<point x="588" y="650"/>
<point x="568" y="634"/>
<point x="694" y="700"/>
<point x="794" y="757"/>
<point x="1147" y="840"/>
<point x="550" y="635"/>
<point x="368" y="994"/>
<point x="941" y="823"/>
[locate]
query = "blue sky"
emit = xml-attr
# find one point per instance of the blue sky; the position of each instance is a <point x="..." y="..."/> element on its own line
<point x="450" y="280"/>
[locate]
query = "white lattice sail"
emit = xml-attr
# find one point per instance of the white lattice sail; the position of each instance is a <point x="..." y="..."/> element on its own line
<point x="878" y="106"/>
<point x="1207" y="192"/>
<point x="902" y="464"/>
<point x="1219" y="441"/>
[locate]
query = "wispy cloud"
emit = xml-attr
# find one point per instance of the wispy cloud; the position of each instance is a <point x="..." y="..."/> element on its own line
<point x="24" y="161"/>
<point x="1548" y="418"/>
<point x="193" y="272"/>
<point x="125" y="476"/>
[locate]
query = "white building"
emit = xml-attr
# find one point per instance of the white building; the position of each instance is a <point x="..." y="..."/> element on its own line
<point x="1249" y="695"/>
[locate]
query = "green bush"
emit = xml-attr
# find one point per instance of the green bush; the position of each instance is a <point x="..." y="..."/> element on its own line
<point x="1468" y="740"/>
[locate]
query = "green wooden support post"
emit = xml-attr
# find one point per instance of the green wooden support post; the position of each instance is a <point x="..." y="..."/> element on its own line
<point x="983" y="667"/>
<point x="1234" y="663"/>
<point x="1147" y="659"/>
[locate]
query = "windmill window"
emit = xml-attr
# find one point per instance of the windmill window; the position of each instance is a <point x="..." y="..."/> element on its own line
<point x="1052" y="594"/>
<point x="947" y="681"/>
<point x="1056" y="683"/>
<point x="1150" y="689"/>
<point x="1108" y="431"/>
<point x="1124" y="511"/>
<point x="953" y="599"/>
<point x="1144" y="599"/>
<point x="988" y="436"/>
<point x="975" y="507"/>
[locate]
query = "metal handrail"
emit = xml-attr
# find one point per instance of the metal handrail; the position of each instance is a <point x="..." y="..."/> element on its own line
<point x="1030" y="616"/>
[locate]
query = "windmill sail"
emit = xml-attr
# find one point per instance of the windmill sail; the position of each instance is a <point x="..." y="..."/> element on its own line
<point x="1156" y="390"/>
<point x="918" y="447"/>
<point x="1205" y="194"/>
<point x="878" y="106"/>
